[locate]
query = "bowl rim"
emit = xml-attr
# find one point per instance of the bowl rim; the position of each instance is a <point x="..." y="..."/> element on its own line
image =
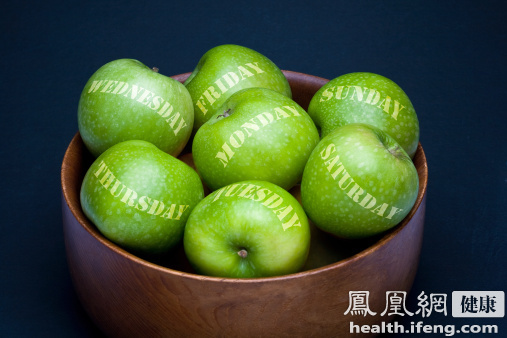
<point x="383" y="240"/>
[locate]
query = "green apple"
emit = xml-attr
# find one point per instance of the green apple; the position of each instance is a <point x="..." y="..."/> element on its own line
<point x="139" y="196"/>
<point x="225" y="69"/>
<point x="366" y="98"/>
<point x="247" y="229"/>
<point x="358" y="182"/>
<point x="126" y="100"/>
<point x="258" y="134"/>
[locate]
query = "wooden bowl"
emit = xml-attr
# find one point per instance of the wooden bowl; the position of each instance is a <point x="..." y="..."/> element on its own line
<point x="130" y="296"/>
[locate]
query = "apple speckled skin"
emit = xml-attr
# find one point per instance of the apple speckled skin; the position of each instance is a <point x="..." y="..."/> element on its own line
<point x="139" y="196"/>
<point x="358" y="182"/>
<point x="126" y="100"/>
<point x="259" y="134"/>
<point x="226" y="69"/>
<point x="366" y="98"/>
<point x="247" y="229"/>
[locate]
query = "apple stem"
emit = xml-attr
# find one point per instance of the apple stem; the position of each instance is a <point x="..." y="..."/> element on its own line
<point x="243" y="253"/>
<point x="225" y="114"/>
<point x="155" y="69"/>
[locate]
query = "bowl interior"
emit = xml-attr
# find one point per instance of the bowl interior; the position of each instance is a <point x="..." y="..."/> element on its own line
<point x="325" y="250"/>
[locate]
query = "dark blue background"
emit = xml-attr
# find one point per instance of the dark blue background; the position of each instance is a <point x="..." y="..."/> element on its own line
<point x="448" y="56"/>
